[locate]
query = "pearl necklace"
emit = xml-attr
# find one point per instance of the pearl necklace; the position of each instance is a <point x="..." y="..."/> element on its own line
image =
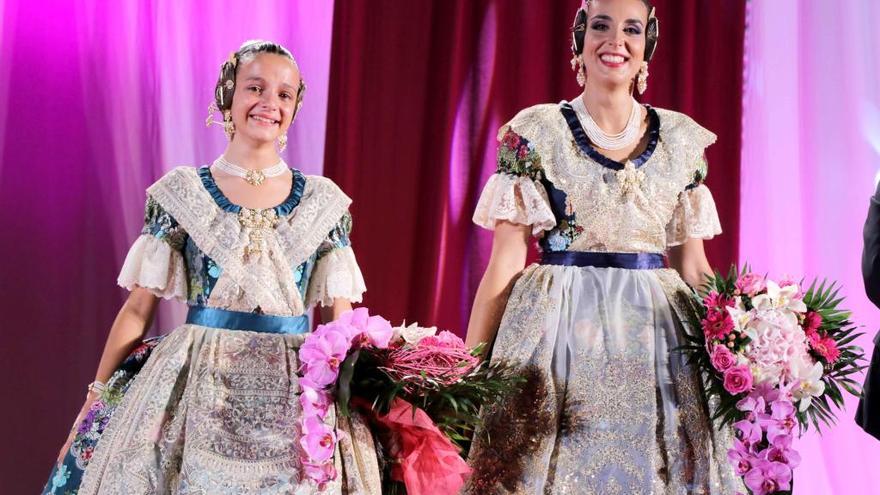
<point x="252" y="177"/>
<point x="625" y="138"/>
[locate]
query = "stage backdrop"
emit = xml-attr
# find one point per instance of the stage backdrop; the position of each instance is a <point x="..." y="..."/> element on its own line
<point x="811" y="150"/>
<point x="418" y="91"/>
<point x="98" y="100"/>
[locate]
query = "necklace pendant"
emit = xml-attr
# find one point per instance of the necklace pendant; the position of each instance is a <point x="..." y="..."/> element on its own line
<point x="254" y="177"/>
<point x="629" y="179"/>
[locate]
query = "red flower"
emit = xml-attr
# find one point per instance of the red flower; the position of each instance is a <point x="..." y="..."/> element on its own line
<point x="812" y="321"/>
<point x="522" y="152"/>
<point x="717" y="324"/>
<point x="510" y="140"/>
<point x="827" y="348"/>
<point x="714" y="300"/>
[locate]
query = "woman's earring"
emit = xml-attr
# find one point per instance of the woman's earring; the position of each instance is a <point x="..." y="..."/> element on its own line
<point x="642" y="78"/>
<point x="228" y="126"/>
<point x="282" y="142"/>
<point x="578" y="65"/>
<point x="211" y="109"/>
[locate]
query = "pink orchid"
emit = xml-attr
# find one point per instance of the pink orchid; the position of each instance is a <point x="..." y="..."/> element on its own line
<point x="748" y="432"/>
<point x="768" y="477"/>
<point x="318" y="440"/>
<point x="373" y="329"/>
<point x="752" y="405"/>
<point x="315" y="401"/>
<point x="781" y="421"/>
<point x="741" y="458"/>
<point x="321" y="357"/>
<point x="781" y="451"/>
<point x="320" y="473"/>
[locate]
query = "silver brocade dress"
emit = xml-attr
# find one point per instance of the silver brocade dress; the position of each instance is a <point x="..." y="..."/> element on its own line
<point x="214" y="410"/>
<point x="608" y="407"/>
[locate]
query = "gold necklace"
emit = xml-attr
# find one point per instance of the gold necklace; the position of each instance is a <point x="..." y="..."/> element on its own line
<point x="258" y="222"/>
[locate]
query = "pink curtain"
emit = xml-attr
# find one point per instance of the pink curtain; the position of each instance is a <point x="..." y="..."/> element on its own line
<point x="811" y="150"/>
<point x="99" y="98"/>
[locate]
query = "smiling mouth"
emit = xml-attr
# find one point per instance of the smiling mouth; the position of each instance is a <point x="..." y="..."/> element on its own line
<point x="613" y="60"/>
<point x="264" y="120"/>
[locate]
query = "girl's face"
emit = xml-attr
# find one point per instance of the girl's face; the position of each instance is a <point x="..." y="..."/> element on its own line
<point x="614" y="41"/>
<point x="264" y="101"/>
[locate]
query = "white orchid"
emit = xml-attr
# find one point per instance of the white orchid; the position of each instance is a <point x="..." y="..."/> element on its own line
<point x="809" y="384"/>
<point x="780" y="298"/>
<point x="413" y="333"/>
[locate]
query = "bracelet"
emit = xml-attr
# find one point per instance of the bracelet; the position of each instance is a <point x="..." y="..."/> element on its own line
<point x="97" y="387"/>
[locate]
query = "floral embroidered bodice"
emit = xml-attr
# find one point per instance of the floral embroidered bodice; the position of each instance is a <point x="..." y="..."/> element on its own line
<point x="199" y="247"/>
<point x="576" y="199"/>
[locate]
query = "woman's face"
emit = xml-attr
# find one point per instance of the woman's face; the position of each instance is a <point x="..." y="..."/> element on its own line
<point x="614" y="42"/>
<point x="264" y="100"/>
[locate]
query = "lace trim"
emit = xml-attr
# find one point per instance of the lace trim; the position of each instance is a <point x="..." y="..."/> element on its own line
<point x="152" y="264"/>
<point x="219" y="235"/>
<point x="336" y="274"/>
<point x="519" y="200"/>
<point x="695" y="217"/>
<point x="323" y="204"/>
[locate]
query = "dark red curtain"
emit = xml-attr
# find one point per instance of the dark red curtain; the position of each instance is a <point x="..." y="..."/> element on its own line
<point x="417" y="91"/>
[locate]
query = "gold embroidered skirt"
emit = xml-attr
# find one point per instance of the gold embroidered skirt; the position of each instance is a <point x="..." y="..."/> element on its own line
<point x="215" y="412"/>
<point x="609" y="407"/>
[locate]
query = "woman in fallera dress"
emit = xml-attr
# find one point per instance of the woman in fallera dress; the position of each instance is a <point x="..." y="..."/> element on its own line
<point x="250" y="245"/>
<point x="612" y="189"/>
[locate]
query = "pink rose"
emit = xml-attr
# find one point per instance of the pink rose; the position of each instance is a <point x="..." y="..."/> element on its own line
<point x="738" y="379"/>
<point x="750" y="284"/>
<point x="722" y="358"/>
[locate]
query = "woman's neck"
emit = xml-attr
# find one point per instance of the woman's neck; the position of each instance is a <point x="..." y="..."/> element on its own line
<point x="251" y="157"/>
<point x="609" y="108"/>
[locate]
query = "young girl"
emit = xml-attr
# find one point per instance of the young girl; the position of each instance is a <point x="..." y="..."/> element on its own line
<point x="250" y="245"/>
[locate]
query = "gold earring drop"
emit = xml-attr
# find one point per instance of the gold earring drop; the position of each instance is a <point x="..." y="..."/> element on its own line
<point x="577" y="65"/>
<point x="642" y="78"/>
<point x="282" y="142"/>
<point x="228" y="126"/>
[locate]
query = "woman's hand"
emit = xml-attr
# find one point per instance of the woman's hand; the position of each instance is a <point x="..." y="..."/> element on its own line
<point x="689" y="259"/>
<point x="90" y="400"/>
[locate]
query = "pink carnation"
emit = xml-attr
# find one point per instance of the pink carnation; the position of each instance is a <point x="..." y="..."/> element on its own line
<point x="717" y="324"/>
<point x="750" y="284"/>
<point x="722" y="358"/>
<point x="827" y="348"/>
<point x="738" y="379"/>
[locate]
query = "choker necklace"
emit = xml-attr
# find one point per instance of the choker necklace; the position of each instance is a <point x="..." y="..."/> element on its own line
<point x="252" y="177"/>
<point x="625" y="138"/>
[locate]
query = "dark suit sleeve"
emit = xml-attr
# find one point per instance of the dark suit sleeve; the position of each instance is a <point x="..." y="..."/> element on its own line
<point x="868" y="411"/>
<point x="871" y="251"/>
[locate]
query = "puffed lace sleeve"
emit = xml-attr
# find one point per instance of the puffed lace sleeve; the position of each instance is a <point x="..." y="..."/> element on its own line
<point x="514" y="192"/>
<point x="155" y="260"/>
<point x="336" y="273"/>
<point x="695" y="216"/>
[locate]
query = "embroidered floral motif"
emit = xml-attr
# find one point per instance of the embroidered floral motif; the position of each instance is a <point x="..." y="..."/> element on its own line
<point x="517" y="156"/>
<point x="159" y="223"/>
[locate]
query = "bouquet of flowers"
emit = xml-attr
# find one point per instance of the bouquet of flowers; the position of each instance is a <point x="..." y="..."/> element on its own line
<point x="777" y="359"/>
<point x="421" y="389"/>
